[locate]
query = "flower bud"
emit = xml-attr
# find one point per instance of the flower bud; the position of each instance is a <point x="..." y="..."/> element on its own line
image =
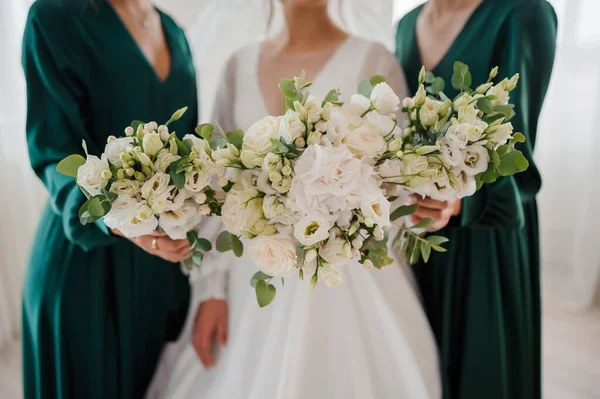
<point x="512" y="83"/>
<point x="147" y="171"/>
<point x="137" y="148"/>
<point x="413" y="115"/>
<point x="408" y="103"/>
<point x="422" y="75"/>
<point x="314" y="138"/>
<point x="129" y="148"/>
<point x="313" y="281"/>
<point x="393" y="117"/>
<point x="407" y="131"/>
<point x="427" y="149"/>
<point x="310" y="256"/>
<point x="369" y="222"/>
<point x="420" y="96"/>
<point x="399" y="154"/>
<point x="129" y="172"/>
<point x="139" y="176"/>
<point x="164" y="135"/>
<point x="144" y="159"/>
<point x="120" y="174"/>
<point x="222" y="182"/>
<point x="269" y="230"/>
<point x="106" y="174"/>
<point x="110" y="139"/>
<point x="368" y="264"/>
<point x="286" y="170"/>
<point x="321" y="126"/>
<point x="275" y="177"/>
<point x="129" y="131"/>
<point x="131" y="162"/>
<point x="204" y="209"/>
<point x="378" y="233"/>
<point x="162" y="129"/>
<point x="493" y="73"/>
<point x="200" y="198"/>
<point x="395" y="145"/>
<point x="357" y="243"/>
<point x="482" y="88"/>
<point x="326" y="113"/>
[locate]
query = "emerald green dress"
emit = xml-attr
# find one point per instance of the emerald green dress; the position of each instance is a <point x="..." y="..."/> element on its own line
<point x="482" y="297"/>
<point x="96" y="308"/>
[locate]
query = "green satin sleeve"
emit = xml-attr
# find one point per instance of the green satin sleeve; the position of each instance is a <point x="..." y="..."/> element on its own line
<point x="526" y="45"/>
<point x="56" y="120"/>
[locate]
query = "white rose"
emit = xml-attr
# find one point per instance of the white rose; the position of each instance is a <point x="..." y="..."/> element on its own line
<point x="197" y="180"/>
<point x="366" y="141"/>
<point x="123" y="209"/>
<point x="500" y="93"/>
<point x="291" y="127"/>
<point x="414" y="163"/>
<point x="326" y="114"/>
<point x="125" y="187"/>
<point x="429" y="112"/>
<point x="152" y="143"/>
<point x="242" y="210"/>
<point x="476" y="159"/>
<point x="114" y="149"/>
<point x="451" y="152"/>
<point x="384" y="99"/>
<point x="178" y="222"/>
<point x="89" y="175"/>
<point x="313" y="228"/>
<point x="313" y="109"/>
<point x="331" y="275"/>
<point x="459" y="134"/>
<point x="500" y="134"/>
<point x="251" y="159"/>
<point x="358" y="104"/>
<point x="226" y="156"/>
<point x="336" y="251"/>
<point x="383" y="123"/>
<point x="231" y="211"/>
<point x="257" y="138"/>
<point x="274" y="255"/>
<point x="376" y="207"/>
<point x="337" y="128"/>
<point x="142" y="223"/>
<point x="467" y="114"/>
<point x="164" y="159"/>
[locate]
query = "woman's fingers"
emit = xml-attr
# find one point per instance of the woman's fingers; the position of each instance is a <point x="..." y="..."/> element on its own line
<point x="157" y="233"/>
<point x="169" y="245"/>
<point x="202" y="342"/>
<point x="435" y="214"/>
<point x="222" y="331"/>
<point x="431" y="203"/>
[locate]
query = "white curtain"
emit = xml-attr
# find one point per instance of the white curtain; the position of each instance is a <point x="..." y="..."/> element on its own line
<point x="21" y="195"/>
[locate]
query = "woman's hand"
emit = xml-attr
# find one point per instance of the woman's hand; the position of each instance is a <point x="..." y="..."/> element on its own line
<point x="160" y="245"/>
<point x="210" y="326"/>
<point x="439" y="211"/>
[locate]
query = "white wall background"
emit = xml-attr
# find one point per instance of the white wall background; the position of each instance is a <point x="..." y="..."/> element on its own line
<point x="566" y="149"/>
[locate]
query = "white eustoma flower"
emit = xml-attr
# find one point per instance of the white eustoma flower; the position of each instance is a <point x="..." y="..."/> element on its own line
<point x="358" y="105"/>
<point x="125" y="187"/>
<point x="500" y="93"/>
<point x="178" y="222"/>
<point x="197" y="180"/>
<point x="152" y="143"/>
<point x="123" y="209"/>
<point x="384" y="99"/>
<point x="142" y="223"/>
<point x="428" y="114"/>
<point x="392" y="171"/>
<point x="274" y="255"/>
<point x="451" y="151"/>
<point x="467" y="185"/>
<point x="336" y="251"/>
<point x="156" y="191"/>
<point x="164" y="159"/>
<point x="459" y="134"/>
<point x="476" y="159"/>
<point x="377" y="207"/>
<point x="500" y="134"/>
<point x="330" y="274"/>
<point x="313" y="228"/>
<point x="313" y="109"/>
<point x="383" y="123"/>
<point x="291" y="127"/>
<point x="90" y="177"/>
<point x="114" y="149"/>
<point x="242" y="212"/>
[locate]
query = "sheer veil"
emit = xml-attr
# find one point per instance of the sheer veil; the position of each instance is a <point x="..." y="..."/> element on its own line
<point x="226" y="26"/>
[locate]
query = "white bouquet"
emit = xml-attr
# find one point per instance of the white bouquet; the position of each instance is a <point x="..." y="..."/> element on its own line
<point x="149" y="179"/>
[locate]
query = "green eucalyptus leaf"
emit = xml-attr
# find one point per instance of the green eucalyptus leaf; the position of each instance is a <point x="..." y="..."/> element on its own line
<point x="70" y="165"/>
<point x="224" y="241"/>
<point x="235" y="138"/>
<point x="518" y="137"/>
<point x="192" y="238"/>
<point x="512" y="163"/>
<point x="265" y="293"/>
<point x="183" y="148"/>
<point x="259" y="276"/>
<point x="489" y="176"/>
<point x="237" y="246"/>
<point x="197" y="258"/>
<point x="97" y="207"/>
<point x="331" y="97"/>
<point x="403" y="211"/>
<point x="364" y="88"/>
<point x="203" y="244"/>
<point x="218" y="142"/>
<point x="205" y="131"/>
<point x="279" y="147"/>
<point x="136" y="124"/>
<point x="429" y="77"/>
<point x="288" y="89"/>
<point x="485" y="105"/>
<point x="437" y="85"/>
<point x="375" y="80"/>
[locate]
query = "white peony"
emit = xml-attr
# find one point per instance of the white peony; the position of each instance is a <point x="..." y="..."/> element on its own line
<point x="164" y="159"/>
<point x="384" y="99"/>
<point x="114" y="149"/>
<point x="365" y="141"/>
<point x="178" y="222"/>
<point x="376" y="207"/>
<point x="330" y="274"/>
<point x="152" y="143"/>
<point x="90" y="176"/>
<point x="274" y="255"/>
<point x="125" y="187"/>
<point x="358" y="105"/>
<point x="476" y="159"/>
<point x="313" y="228"/>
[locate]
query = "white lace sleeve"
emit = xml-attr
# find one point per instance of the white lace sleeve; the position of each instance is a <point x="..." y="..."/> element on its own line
<point x="380" y="61"/>
<point x="210" y="282"/>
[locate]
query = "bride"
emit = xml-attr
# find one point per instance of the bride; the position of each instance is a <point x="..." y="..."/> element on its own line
<point x="369" y="337"/>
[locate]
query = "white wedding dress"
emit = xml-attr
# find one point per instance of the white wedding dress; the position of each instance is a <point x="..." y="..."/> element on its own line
<point x="368" y="338"/>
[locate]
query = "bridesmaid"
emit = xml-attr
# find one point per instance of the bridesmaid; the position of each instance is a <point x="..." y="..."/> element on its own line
<point x="97" y="308"/>
<point x="483" y="295"/>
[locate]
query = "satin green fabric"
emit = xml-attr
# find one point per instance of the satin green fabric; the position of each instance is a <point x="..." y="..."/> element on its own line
<point x="96" y="308"/>
<point x="482" y="297"/>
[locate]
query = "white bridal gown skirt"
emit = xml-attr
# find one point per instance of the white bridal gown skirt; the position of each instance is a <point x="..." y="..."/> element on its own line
<point x="368" y="338"/>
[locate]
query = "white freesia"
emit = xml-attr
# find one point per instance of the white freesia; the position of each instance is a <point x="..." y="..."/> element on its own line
<point x="152" y="143"/>
<point x="114" y="149"/>
<point x="178" y="222"/>
<point x="476" y="159"/>
<point x="313" y="228"/>
<point x="376" y="207"/>
<point x="125" y="187"/>
<point x="384" y="99"/>
<point x="274" y="255"/>
<point x="89" y="175"/>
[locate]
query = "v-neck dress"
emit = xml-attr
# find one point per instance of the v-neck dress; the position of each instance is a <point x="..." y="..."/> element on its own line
<point x="96" y="308"/>
<point x="367" y="338"/>
<point x="482" y="297"/>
